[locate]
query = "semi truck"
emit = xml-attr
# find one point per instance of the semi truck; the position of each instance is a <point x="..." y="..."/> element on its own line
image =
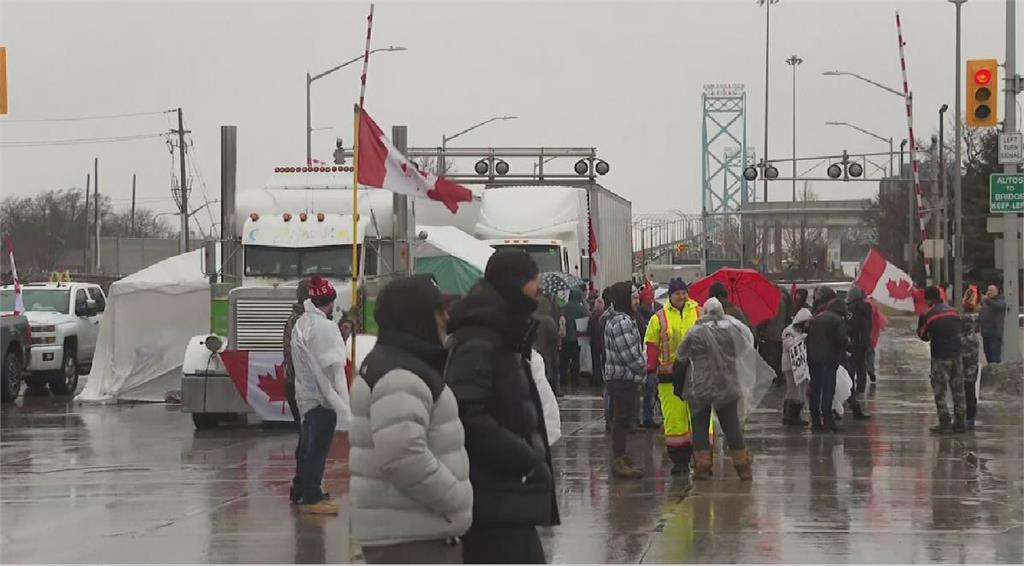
<point x="552" y="223"/>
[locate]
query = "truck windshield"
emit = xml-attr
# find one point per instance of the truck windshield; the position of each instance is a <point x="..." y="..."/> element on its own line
<point x="266" y="261"/>
<point x="38" y="300"/>
<point x="548" y="258"/>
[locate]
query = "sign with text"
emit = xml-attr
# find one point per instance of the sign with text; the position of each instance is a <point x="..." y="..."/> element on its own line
<point x="1006" y="193"/>
<point x="1011" y="148"/>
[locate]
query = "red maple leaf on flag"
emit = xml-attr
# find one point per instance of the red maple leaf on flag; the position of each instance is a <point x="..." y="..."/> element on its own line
<point x="273" y="386"/>
<point x="900" y="290"/>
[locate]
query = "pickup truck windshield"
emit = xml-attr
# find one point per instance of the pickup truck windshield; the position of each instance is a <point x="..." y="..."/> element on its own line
<point x="548" y="258"/>
<point x="38" y="300"/>
<point x="266" y="261"/>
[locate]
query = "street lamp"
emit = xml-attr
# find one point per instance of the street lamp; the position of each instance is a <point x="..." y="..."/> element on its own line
<point x="441" y="166"/>
<point x="309" y="82"/>
<point x="944" y="213"/>
<point x="958" y="211"/>
<point x="872" y="134"/>
<point x="794" y="61"/>
<point x="865" y="79"/>
<point x="767" y="35"/>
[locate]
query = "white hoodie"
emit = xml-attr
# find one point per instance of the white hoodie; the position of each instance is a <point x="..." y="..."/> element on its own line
<point x="319" y="356"/>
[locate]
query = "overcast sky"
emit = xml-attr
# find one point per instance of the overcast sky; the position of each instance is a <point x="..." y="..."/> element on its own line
<point x="625" y="77"/>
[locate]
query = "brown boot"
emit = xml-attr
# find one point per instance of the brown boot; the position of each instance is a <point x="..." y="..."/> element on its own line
<point x="702" y="465"/>
<point x="622" y="469"/>
<point x="742" y="461"/>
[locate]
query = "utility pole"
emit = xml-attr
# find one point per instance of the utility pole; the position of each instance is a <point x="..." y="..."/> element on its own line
<point x="183" y="244"/>
<point x="944" y="210"/>
<point x="1011" y="222"/>
<point x="133" y="205"/>
<point x="96" y="207"/>
<point x="793" y="61"/>
<point x="401" y="258"/>
<point x="85" y="242"/>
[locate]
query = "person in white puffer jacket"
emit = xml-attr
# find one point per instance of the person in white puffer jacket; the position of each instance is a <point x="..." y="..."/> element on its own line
<point x="410" y="490"/>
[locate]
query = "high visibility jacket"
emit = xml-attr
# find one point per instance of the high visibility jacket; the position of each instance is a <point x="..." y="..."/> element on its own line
<point x="665" y="332"/>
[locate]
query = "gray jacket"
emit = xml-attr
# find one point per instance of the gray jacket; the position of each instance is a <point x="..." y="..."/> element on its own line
<point x="991" y="316"/>
<point x="410" y="471"/>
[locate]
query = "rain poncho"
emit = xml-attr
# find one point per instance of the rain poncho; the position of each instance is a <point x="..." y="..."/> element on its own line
<point x="318" y="353"/>
<point x="726" y="368"/>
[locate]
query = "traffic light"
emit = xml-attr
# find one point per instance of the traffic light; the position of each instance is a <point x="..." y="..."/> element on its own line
<point x="982" y="92"/>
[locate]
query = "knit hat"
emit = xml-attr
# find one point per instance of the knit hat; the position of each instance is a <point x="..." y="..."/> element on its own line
<point x="507" y="271"/>
<point x="677" y="284"/>
<point x="407" y="305"/>
<point x="321" y="292"/>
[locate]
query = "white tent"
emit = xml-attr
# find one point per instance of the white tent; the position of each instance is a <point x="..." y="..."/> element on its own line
<point x="150" y="317"/>
<point x="449" y="240"/>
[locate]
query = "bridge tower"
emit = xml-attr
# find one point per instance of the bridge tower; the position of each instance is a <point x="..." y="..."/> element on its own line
<point x="724" y="151"/>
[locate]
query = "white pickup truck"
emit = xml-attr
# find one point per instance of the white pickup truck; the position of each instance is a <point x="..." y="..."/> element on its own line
<point x="65" y="322"/>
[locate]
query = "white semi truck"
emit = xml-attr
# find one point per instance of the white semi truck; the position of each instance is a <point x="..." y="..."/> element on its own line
<point x="551" y="224"/>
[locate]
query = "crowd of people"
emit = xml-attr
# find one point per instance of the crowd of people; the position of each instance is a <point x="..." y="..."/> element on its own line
<point x="450" y="444"/>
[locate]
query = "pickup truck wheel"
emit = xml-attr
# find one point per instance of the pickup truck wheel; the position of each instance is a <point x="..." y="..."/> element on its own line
<point x="206" y="421"/>
<point x="11" y="382"/>
<point x="65" y="381"/>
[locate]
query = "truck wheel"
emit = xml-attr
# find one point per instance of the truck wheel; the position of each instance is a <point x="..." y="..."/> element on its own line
<point x="206" y="421"/>
<point x="65" y="380"/>
<point x="11" y="382"/>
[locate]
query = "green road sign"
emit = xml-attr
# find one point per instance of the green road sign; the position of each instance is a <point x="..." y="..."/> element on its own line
<point x="1006" y="193"/>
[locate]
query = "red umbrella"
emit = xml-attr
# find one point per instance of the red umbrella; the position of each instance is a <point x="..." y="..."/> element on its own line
<point x="756" y="296"/>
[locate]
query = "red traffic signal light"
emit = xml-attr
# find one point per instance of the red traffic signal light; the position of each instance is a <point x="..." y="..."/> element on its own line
<point x="982" y="76"/>
<point x="982" y="93"/>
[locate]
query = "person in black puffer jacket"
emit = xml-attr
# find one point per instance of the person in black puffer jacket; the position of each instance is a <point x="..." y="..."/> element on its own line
<point x="489" y="372"/>
<point x="826" y="349"/>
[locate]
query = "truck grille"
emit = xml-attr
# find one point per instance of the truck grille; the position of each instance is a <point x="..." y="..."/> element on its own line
<point x="259" y="323"/>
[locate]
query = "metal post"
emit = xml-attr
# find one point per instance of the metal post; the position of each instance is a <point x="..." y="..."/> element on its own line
<point x="793" y="61"/>
<point x="1011" y="222"/>
<point x="944" y="209"/>
<point x="892" y="171"/>
<point x="133" y="206"/>
<point x="767" y="29"/>
<point x="958" y="239"/>
<point x="85" y="243"/>
<point x="309" y="125"/>
<point x="96" y="208"/>
<point x="400" y="206"/>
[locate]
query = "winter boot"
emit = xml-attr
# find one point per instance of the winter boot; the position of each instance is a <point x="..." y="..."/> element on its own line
<point x="680" y="456"/>
<point x="797" y="420"/>
<point x="702" y="465"/>
<point x="816" y="423"/>
<point x="742" y="461"/>
<point x="858" y="410"/>
<point x="622" y="469"/>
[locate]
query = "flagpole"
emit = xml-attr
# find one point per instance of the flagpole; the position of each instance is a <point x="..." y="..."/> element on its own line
<point x="355" y="177"/>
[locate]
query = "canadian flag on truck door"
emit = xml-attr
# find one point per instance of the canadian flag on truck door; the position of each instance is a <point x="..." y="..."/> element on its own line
<point x="595" y="280"/>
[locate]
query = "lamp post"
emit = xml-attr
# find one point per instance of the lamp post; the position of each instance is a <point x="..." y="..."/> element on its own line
<point x="958" y="205"/>
<point x="309" y="82"/>
<point x="872" y="134"/>
<point x="944" y="213"/>
<point x="837" y="73"/>
<point x="767" y="36"/>
<point x="442" y="165"/>
<point x="794" y="61"/>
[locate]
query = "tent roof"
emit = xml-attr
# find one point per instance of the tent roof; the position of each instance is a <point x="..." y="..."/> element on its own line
<point x="454" y="242"/>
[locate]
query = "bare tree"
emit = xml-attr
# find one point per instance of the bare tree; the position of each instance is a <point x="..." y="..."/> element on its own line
<point x="804" y="246"/>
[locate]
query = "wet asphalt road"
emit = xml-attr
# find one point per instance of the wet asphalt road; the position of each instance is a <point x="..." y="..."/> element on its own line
<point x="136" y="483"/>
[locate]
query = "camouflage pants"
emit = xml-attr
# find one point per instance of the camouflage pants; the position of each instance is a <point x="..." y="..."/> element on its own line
<point x="948" y="375"/>
<point x="970" y="365"/>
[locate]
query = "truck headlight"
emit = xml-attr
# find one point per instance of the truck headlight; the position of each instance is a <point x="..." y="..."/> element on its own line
<point x="44" y="328"/>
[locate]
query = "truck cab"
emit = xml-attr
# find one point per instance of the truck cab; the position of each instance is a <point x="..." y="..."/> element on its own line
<point x="550" y="255"/>
<point x="65" y="322"/>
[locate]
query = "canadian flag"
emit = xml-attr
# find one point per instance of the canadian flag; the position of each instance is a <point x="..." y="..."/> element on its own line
<point x="888" y="284"/>
<point x="381" y="165"/>
<point x="19" y="300"/>
<point x="259" y="378"/>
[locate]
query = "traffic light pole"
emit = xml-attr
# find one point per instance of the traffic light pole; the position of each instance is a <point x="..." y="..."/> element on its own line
<point x="1011" y="222"/>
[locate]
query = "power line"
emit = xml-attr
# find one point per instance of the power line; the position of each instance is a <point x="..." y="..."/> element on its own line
<point x="84" y="118"/>
<point x="79" y="141"/>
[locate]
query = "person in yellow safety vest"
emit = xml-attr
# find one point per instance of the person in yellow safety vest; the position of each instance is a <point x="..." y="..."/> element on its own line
<point x="665" y="332"/>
